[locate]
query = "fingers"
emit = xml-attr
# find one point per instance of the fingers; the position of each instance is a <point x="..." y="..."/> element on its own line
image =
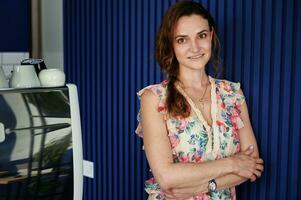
<point x="259" y="166"/>
<point x="253" y="178"/>
<point x="259" y="161"/>
<point x="258" y="170"/>
<point x="257" y="173"/>
<point x="250" y="168"/>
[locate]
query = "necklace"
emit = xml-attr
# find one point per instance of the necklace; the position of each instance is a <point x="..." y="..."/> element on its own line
<point x="202" y="100"/>
<point x="207" y="128"/>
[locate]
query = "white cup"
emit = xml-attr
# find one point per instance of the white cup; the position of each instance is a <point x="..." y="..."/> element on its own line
<point x="24" y="76"/>
<point x="52" y="78"/>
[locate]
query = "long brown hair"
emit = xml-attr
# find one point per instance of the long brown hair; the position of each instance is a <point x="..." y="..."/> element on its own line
<point x="176" y="103"/>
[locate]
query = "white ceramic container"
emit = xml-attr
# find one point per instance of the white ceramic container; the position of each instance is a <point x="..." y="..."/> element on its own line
<point x="52" y="78"/>
<point x="24" y="76"/>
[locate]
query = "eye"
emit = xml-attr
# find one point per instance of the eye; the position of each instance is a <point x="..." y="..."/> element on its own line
<point x="203" y="35"/>
<point x="181" y="40"/>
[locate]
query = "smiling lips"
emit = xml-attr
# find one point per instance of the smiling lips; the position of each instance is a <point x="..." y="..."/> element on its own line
<point x="196" y="56"/>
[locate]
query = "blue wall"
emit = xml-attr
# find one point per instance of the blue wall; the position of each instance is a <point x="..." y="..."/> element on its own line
<point x="15" y="25"/>
<point x="109" y="55"/>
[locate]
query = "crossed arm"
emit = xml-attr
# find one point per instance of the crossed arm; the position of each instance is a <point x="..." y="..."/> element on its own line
<point x="183" y="180"/>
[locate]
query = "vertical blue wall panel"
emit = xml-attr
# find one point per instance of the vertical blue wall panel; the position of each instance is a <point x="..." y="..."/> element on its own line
<point x="109" y="54"/>
<point x="15" y="17"/>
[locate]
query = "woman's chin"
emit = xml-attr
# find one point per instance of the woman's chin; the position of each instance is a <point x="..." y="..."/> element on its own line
<point x="194" y="65"/>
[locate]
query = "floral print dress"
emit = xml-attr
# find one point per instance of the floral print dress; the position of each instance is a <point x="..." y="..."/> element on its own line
<point x="193" y="140"/>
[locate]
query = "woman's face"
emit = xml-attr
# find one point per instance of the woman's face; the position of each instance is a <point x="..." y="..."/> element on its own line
<point x="192" y="42"/>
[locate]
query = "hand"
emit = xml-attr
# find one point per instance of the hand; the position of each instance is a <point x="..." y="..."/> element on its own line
<point x="247" y="166"/>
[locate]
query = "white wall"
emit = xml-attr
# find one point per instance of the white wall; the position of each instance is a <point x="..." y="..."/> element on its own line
<point x="9" y="59"/>
<point x="52" y="33"/>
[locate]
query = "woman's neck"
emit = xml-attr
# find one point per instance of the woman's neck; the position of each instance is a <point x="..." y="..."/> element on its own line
<point x="193" y="78"/>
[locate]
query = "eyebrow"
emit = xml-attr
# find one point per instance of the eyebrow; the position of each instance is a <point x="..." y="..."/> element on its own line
<point x="205" y="30"/>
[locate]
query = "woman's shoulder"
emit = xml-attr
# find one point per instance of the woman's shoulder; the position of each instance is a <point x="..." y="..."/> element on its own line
<point x="229" y="90"/>
<point x="227" y="85"/>
<point x="157" y="89"/>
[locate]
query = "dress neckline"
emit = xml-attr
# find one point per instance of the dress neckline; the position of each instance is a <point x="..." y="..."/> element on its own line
<point x="212" y="143"/>
<point x="197" y="111"/>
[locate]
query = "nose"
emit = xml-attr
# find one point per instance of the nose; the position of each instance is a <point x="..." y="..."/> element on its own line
<point x="195" y="46"/>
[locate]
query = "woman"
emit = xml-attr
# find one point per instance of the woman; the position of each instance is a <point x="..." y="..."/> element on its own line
<point x="196" y="130"/>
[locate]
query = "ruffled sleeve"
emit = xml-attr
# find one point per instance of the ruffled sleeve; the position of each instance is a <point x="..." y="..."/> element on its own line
<point x="239" y="99"/>
<point x="160" y="91"/>
<point x="232" y="100"/>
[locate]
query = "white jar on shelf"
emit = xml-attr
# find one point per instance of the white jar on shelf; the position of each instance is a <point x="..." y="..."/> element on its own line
<point x="24" y="76"/>
<point x="52" y="78"/>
